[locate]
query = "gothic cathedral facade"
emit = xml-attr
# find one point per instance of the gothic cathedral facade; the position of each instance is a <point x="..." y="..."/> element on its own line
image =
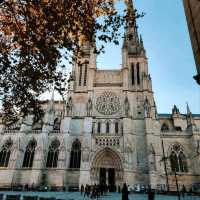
<point x="107" y="132"/>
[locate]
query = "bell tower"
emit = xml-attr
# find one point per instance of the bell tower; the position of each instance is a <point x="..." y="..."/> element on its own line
<point x="134" y="59"/>
<point x="84" y="67"/>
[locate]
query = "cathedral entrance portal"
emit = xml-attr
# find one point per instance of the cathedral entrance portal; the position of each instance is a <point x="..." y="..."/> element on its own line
<point x="107" y="176"/>
<point x="107" y="169"/>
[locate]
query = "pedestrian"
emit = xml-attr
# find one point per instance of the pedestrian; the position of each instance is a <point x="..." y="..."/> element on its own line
<point x="125" y="192"/>
<point x="183" y="190"/>
<point x="86" y="190"/>
<point x="119" y="189"/>
<point x="151" y="194"/>
<point x="82" y="189"/>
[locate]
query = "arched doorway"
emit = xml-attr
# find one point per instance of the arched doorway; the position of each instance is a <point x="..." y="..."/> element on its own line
<point x="107" y="169"/>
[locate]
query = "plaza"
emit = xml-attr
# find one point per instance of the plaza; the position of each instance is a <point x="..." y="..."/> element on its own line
<point x="106" y="131"/>
<point x="78" y="196"/>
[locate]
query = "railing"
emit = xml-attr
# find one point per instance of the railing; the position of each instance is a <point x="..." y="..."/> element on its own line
<point x="107" y="140"/>
<point x="9" y="131"/>
<point x="29" y="132"/>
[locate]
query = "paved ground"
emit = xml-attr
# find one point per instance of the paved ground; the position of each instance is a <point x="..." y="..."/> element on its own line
<point x="110" y="196"/>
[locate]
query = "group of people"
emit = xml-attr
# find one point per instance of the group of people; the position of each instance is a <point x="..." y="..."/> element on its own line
<point x="95" y="191"/>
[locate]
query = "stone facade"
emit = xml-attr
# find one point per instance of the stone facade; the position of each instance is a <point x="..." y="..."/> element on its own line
<point x="107" y="131"/>
<point x="192" y="11"/>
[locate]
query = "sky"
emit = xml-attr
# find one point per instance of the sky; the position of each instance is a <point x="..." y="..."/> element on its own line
<point x="170" y="57"/>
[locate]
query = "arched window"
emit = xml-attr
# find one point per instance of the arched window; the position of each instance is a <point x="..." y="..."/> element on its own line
<point x="80" y="74"/>
<point x="164" y="128"/>
<point x="29" y="154"/>
<point x="85" y="75"/>
<point x="182" y="162"/>
<point x="52" y="159"/>
<point x="138" y="73"/>
<point x="5" y="154"/>
<point x="75" y="159"/>
<point x="132" y="74"/>
<point x="174" y="162"/>
<point x="178" y="159"/>
<point x="116" y="127"/>
<point x="56" y="125"/>
<point x="99" y="127"/>
<point x="107" y="127"/>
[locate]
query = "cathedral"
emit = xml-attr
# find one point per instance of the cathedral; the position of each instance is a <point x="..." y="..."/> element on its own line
<point x="107" y="131"/>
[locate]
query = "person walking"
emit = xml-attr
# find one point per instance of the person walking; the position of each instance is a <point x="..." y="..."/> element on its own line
<point x="82" y="189"/>
<point x="125" y="192"/>
<point x="151" y="194"/>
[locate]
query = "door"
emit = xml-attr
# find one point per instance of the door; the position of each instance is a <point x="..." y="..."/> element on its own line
<point x="111" y="179"/>
<point x="102" y="176"/>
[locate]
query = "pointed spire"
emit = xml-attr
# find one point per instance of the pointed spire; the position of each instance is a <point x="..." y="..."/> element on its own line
<point x="50" y="107"/>
<point x="132" y="42"/>
<point x="188" y="109"/>
<point x="131" y="19"/>
<point x="130" y="9"/>
<point x="141" y="41"/>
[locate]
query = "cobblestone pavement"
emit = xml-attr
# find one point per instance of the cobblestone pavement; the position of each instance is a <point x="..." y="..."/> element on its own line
<point x="109" y="196"/>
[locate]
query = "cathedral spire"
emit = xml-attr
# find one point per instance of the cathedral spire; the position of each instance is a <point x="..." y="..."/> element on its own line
<point x="50" y="106"/>
<point x="132" y="42"/>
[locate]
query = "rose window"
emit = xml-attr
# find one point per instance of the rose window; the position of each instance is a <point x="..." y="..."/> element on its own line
<point x="108" y="103"/>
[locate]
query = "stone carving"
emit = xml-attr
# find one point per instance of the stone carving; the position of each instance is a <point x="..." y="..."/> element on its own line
<point x="147" y="108"/>
<point x="89" y="107"/>
<point x="175" y="110"/>
<point x="108" y="103"/>
<point x="152" y="159"/>
<point x="69" y="107"/>
<point x="85" y="155"/>
<point x="126" y="106"/>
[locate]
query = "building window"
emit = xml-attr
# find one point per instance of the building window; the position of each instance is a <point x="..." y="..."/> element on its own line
<point x="85" y="75"/>
<point x="29" y="154"/>
<point x="107" y="127"/>
<point x="174" y="162"/>
<point x="138" y="73"/>
<point x="56" y="125"/>
<point x="80" y="74"/>
<point x="182" y="162"/>
<point x="52" y="158"/>
<point x="75" y="159"/>
<point x="164" y="128"/>
<point x="5" y="154"/>
<point x="116" y="127"/>
<point x="178" y="160"/>
<point x="132" y="74"/>
<point x="99" y="127"/>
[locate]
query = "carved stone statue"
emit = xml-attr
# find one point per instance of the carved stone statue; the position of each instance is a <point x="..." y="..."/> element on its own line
<point x="89" y="107"/>
<point x="147" y="108"/>
<point x="126" y="106"/>
<point x="85" y="155"/>
<point x="69" y="106"/>
<point x="152" y="159"/>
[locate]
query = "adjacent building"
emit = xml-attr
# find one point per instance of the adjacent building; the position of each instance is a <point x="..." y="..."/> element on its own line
<point x="107" y="132"/>
<point x="192" y="11"/>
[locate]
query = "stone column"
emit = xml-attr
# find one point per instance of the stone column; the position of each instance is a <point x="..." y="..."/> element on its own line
<point x="86" y="148"/>
<point x="153" y="147"/>
<point x="103" y="127"/>
<point x="112" y="128"/>
<point x="107" y="177"/>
